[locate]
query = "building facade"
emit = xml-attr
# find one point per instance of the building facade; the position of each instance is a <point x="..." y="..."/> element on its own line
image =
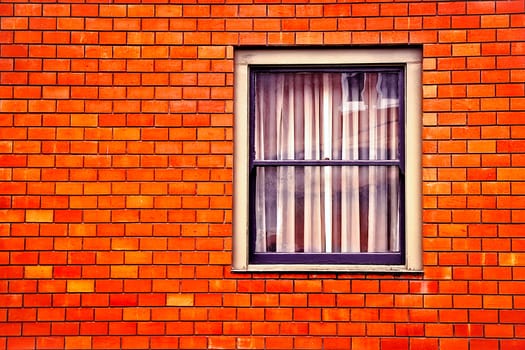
<point x="117" y="156"/>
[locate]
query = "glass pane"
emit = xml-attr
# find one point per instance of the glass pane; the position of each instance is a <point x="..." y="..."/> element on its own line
<point x="326" y="115"/>
<point x="327" y="209"/>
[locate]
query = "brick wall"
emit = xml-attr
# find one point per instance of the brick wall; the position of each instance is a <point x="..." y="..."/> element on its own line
<point x="116" y="179"/>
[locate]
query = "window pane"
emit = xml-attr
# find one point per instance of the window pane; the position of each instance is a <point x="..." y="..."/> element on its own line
<point x="328" y="209"/>
<point x="326" y="115"/>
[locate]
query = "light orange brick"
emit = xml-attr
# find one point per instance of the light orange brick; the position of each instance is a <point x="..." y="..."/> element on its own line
<point x="180" y="300"/>
<point x="38" y="271"/>
<point x="80" y="286"/>
<point x="39" y="215"/>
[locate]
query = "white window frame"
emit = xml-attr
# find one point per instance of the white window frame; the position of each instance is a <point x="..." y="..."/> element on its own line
<point x="411" y="59"/>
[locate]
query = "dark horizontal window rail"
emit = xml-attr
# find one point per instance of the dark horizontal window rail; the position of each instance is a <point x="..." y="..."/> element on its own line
<point x="395" y="258"/>
<point x="320" y="68"/>
<point x="327" y="162"/>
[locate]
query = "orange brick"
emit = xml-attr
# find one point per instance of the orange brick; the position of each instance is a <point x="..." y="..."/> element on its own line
<point x="371" y="343"/>
<point x="180" y="300"/>
<point x="38" y="271"/>
<point x="80" y="286"/>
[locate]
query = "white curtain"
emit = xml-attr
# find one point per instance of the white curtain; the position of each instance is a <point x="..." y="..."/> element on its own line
<point x="326" y="116"/>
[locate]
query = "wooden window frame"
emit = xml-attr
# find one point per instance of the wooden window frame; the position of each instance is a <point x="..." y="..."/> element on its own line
<point x="247" y="61"/>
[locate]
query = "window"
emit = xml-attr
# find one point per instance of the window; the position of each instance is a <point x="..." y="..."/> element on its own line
<point x="327" y="160"/>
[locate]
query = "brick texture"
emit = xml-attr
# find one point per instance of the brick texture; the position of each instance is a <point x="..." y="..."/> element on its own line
<point x="116" y="179"/>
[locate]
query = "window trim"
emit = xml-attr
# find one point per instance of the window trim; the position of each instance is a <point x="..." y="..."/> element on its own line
<point x="365" y="258"/>
<point x="244" y="60"/>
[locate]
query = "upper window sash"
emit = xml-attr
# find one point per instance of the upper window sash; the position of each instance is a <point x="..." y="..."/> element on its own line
<point x="347" y="71"/>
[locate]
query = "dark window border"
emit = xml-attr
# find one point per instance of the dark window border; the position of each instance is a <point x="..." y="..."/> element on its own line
<point x="394" y="258"/>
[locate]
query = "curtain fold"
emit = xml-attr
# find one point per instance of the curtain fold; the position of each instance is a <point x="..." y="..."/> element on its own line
<point x="327" y="116"/>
